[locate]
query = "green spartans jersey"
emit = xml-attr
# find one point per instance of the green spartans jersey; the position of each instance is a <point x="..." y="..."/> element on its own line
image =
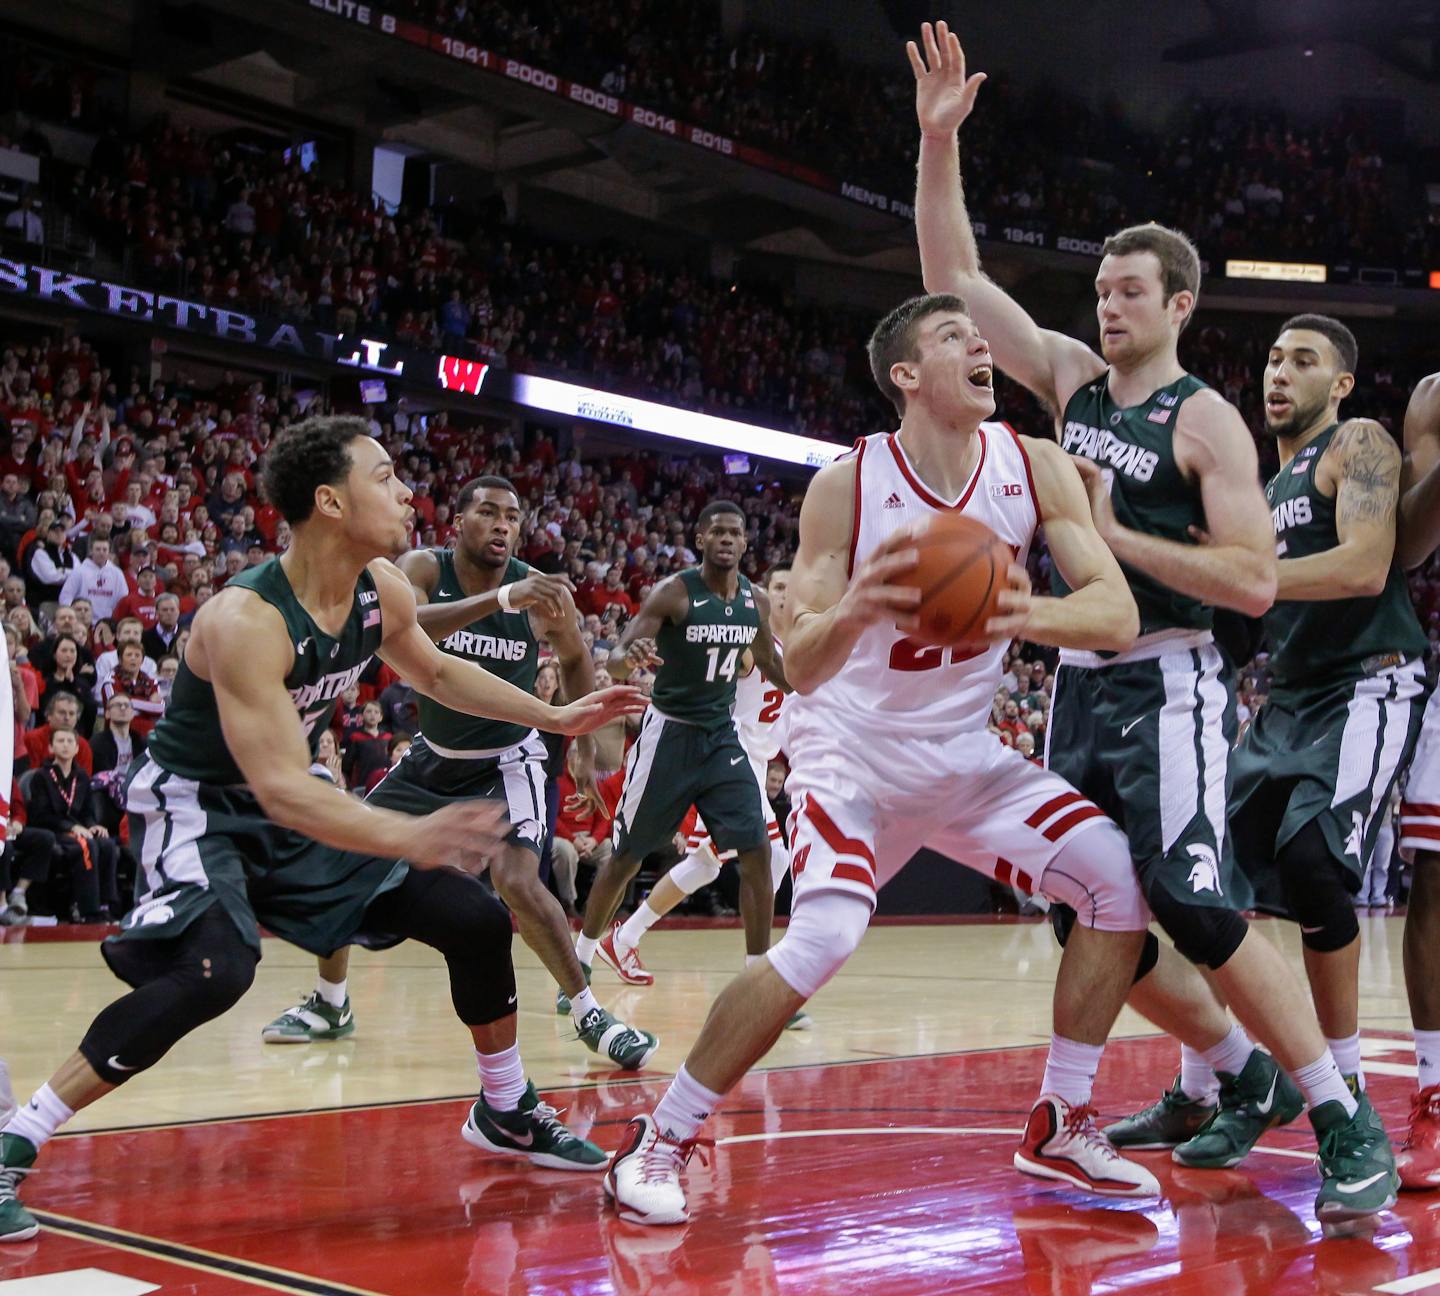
<point x="701" y="655"/>
<point x="1135" y="448"/>
<point x="188" y="740"/>
<point x="503" y="643"/>
<point x="1337" y="639"/>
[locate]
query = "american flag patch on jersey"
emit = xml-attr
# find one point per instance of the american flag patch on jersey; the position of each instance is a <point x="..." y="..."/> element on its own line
<point x="372" y="618"/>
<point x="1159" y="415"/>
<point x="1299" y="469"/>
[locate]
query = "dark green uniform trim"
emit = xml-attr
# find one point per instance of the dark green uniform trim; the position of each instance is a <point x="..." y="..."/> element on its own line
<point x="1148" y="742"/>
<point x="672" y="766"/>
<point x="1329" y="755"/>
<point x="504" y="643"/>
<point x="1134" y="446"/>
<point x="700" y="655"/>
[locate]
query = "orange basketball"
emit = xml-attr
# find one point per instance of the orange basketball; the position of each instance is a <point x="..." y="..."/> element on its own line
<point x="960" y="575"/>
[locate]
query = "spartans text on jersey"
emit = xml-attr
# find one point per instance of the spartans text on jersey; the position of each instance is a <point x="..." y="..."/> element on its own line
<point x="720" y="634"/>
<point x="1105" y="448"/>
<point x="467" y="643"/>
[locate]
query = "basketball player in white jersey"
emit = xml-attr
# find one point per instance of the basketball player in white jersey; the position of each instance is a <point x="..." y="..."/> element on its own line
<point x="889" y="751"/>
<point x="759" y="709"/>
<point x="1418" y="1159"/>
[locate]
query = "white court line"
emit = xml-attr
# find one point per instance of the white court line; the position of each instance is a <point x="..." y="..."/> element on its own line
<point x="873" y="1130"/>
<point x="93" y="1282"/>
<point x="1414" y="1283"/>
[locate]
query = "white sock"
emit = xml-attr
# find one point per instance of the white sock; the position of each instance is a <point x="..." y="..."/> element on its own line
<point x="1321" y="1082"/>
<point x="637" y="925"/>
<point x="686" y="1106"/>
<point x="582" y="1003"/>
<point x="1070" y="1070"/>
<point x="502" y="1078"/>
<point x="1427" y="1057"/>
<point x="1197" y="1076"/>
<point x="1231" y="1054"/>
<point x="38" y="1119"/>
<point x="752" y="958"/>
<point x="1346" y="1053"/>
<point x="585" y="949"/>
<point x="332" y="992"/>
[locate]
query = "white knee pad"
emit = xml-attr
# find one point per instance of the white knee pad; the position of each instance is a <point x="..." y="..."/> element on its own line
<point x="1094" y="874"/>
<point x="825" y="929"/>
<point x="696" y="870"/>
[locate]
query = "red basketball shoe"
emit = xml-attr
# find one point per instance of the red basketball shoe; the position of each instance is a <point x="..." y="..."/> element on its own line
<point x="1062" y="1142"/>
<point x="625" y="959"/>
<point x="1418" y="1158"/>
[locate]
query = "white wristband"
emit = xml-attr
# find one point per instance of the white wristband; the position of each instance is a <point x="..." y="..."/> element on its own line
<point x="503" y="596"/>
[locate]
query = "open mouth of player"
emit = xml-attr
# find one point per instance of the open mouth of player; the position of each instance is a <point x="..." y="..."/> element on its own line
<point x="982" y="376"/>
<point x="496" y="546"/>
<point x="1276" y="403"/>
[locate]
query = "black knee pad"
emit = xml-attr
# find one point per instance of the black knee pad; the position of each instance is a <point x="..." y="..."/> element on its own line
<point x="1202" y="933"/>
<point x="1317" y="889"/>
<point x="1062" y="921"/>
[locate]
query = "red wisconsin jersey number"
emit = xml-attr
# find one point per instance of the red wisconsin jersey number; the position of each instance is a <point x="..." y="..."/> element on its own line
<point x="908" y="655"/>
<point x="770" y="706"/>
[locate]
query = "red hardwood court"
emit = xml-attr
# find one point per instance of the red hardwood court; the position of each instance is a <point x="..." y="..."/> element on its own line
<point x="882" y="1176"/>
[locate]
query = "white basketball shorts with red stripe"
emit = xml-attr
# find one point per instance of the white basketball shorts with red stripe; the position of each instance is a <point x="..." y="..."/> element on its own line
<point x="863" y="804"/>
<point x="1420" y="806"/>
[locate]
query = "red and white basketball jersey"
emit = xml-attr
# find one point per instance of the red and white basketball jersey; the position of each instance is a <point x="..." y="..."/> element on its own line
<point x="758" y="704"/>
<point x="890" y="681"/>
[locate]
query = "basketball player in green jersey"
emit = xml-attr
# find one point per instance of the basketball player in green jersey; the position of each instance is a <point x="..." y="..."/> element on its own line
<point x="693" y="629"/>
<point x="1314" y="771"/>
<point x="480" y="603"/>
<point x="1146" y="734"/>
<point x="1419" y="1158"/>
<point x="233" y="831"/>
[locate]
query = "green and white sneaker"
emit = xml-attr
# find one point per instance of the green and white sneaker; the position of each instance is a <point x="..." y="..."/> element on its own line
<point x="1357" y="1164"/>
<point x="562" y="1000"/>
<point x="1260" y="1098"/>
<point x="1174" y="1119"/>
<point x="311" y="1019"/>
<point x="533" y="1131"/>
<point x="800" y="1021"/>
<point x="17" y="1155"/>
<point x="628" y="1048"/>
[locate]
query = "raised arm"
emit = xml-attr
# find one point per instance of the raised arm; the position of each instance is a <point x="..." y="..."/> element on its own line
<point x="422" y="569"/>
<point x="241" y="646"/>
<point x="1420" y="504"/>
<point x="1233" y="562"/>
<point x="829" y="607"/>
<point x="1050" y="364"/>
<point x="577" y="680"/>
<point x="1363" y="462"/>
<point x="636" y="649"/>
<point x="464" y="686"/>
<point x="1100" y="613"/>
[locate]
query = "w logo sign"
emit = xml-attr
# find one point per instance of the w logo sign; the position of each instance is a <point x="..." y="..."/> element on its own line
<point x="462" y="375"/>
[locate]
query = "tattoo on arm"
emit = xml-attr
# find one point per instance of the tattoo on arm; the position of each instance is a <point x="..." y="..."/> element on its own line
<point x="1370" y="462"/>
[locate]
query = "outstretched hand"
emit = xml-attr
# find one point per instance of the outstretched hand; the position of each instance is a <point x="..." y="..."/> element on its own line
<point x="944" y="95"/>
<point x="599" y="708"/>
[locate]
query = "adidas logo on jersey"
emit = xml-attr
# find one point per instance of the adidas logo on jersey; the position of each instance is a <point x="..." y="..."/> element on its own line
<point x="894" y="501"/>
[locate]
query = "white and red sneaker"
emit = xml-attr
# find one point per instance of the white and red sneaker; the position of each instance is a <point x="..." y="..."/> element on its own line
<point x="1063" y="1143"/>
<point x="625" y="959"/>
<point x="1418" y="1157"/>
<point x="644" y="1176"/>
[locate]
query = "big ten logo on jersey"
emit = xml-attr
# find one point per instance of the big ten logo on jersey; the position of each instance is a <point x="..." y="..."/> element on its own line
<point x="1007" y="490"/>
<point x="1104" y="447"/>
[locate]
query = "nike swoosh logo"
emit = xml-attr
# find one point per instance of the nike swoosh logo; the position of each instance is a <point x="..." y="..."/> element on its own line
<point x="117" y="1065"/>
<point x="737" y="760"/>
<point x="344" y="1017"/>
<point x="511" y="999"/>
<point x="1264" y="1108"/>
<point x="524" y="1140"/>
<point x="1130" y="726"/>
<point x="701" y="602"/>
<point x="1363" y="1184"/>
